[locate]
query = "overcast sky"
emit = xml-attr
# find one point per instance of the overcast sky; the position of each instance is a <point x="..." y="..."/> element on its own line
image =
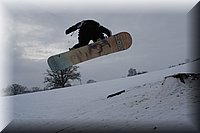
<point x="36" y="31"/>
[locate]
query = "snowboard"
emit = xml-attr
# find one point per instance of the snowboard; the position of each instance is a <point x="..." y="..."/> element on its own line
<point x="115" y="43"/>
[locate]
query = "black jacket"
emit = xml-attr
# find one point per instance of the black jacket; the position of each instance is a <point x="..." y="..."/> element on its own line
<point x="89" y="29"/>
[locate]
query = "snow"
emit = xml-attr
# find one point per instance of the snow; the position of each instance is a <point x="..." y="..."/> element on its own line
<point x="150" y="102"/>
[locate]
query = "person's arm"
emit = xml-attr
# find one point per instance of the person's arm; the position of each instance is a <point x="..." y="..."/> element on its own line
<point x="74" y="27"/>
<point x="106" y="31"/>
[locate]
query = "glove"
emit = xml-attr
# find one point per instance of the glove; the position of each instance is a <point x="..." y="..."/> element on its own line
<point x="67" y="32"/>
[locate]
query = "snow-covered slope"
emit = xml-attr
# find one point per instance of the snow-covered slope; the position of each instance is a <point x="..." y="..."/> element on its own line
<point x="150" y="102"/>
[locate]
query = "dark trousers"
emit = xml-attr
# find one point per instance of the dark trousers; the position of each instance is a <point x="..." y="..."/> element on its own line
<point x="84" y="40"/>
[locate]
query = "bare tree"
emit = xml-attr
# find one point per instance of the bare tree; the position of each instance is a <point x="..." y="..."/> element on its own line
<point x="132" y="72"/>
<point x="35" y="89"/>
<point x="61" y="78"/>
<point x="15" y="89"/>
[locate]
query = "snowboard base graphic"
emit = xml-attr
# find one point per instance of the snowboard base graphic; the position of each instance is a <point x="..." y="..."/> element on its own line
<point x="115" y="43"/>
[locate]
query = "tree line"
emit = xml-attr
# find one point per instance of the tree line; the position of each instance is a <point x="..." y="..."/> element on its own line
<point x="52" y="79"/>
<point x="55" y="80"/>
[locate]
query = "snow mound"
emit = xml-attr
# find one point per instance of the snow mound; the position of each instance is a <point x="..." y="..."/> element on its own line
<point x="159" y="101"/>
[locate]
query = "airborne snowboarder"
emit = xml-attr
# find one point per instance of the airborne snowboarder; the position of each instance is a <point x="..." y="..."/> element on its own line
<point x="88" y="30"/>
<point x="104" y="43"/>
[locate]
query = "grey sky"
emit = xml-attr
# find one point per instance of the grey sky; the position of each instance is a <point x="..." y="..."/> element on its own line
<point x="159" y="40"/>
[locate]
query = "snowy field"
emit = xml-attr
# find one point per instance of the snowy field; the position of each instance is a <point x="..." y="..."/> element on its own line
<point x="154" y="102"/>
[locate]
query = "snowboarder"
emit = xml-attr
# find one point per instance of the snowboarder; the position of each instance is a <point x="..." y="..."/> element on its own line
<point x="88" y="30"/>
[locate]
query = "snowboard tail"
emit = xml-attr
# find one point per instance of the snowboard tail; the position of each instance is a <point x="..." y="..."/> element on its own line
<point x="115" y="43"/>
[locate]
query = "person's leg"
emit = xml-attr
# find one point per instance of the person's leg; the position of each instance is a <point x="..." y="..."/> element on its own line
<point x="81" y="42"/>
<point x="98" y="37"/>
